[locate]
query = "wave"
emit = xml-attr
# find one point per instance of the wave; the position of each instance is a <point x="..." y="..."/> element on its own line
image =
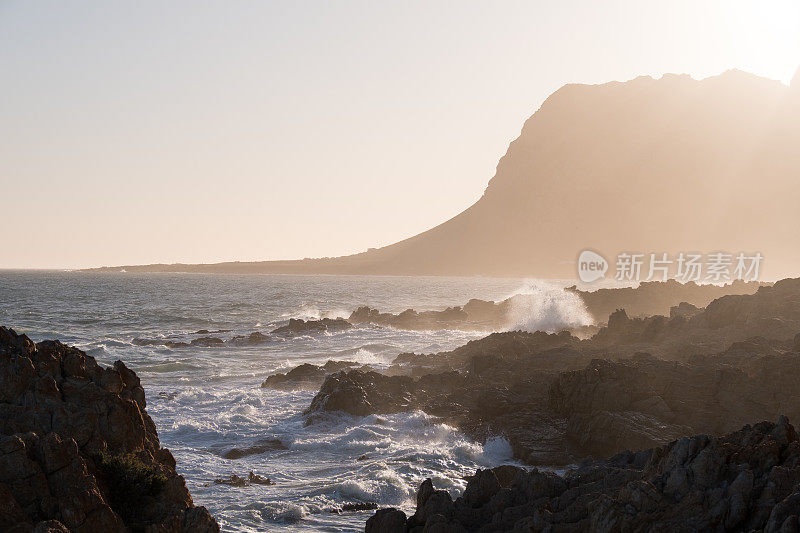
<point x="546" y="306"/>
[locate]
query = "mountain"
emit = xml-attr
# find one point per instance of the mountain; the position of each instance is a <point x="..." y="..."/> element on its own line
<point x="649" y="165"/>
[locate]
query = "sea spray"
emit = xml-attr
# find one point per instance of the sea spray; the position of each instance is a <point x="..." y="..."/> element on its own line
<point x="546" y="306"/>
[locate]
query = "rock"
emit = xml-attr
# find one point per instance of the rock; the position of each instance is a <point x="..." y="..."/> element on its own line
<point x="649" y="298"/>
<point x="174" y="344"/>
<point x="360" y="506"/>
<point x="78" y="450"/>
<point x="255" y="479"/>
<point x="684" y="310"/>
<point x="261" y="446"/>
<point x="746" y="480"/>
<point x="253" y="339"/>
<point x="306" y="375"/>
<point x="302" y="327"/>
<point x="363" y="393"/>
<point x="389" y="520"/>
<point x="233" y="480"/>
<point x="138" y="341"/>
<point x="604" y="433"/>
<point x="207" y="342"/>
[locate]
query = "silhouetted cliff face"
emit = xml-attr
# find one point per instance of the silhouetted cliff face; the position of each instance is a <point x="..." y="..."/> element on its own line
<point x="78" y="451"/>
<point x="648" y="165"/>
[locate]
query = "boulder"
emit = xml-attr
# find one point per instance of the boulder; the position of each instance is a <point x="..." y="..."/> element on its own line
<point x="78" y="451"/>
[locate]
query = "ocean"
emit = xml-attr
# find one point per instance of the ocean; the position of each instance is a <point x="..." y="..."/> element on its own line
<point x="207" y="400"/>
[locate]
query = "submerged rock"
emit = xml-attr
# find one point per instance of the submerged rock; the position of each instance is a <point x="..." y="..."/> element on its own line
<point x="78" y="451"/>
<point x="252" y="339"/>
<point x="255" y="479"/>
<point x="236" y="481"/>
<point x="261" y="446"/>
<point x="207" y="342"/>
<point x="297" y="326"/>
<point x="233" y="480"/>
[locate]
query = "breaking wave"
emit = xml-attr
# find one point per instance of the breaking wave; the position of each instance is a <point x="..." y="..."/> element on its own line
<point x="546" y="306"/>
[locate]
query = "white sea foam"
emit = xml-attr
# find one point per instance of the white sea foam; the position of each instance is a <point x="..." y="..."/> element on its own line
<point x="546" y="306"/>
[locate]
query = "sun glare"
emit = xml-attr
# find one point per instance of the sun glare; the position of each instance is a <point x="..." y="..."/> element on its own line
<point x="767" y="36"/>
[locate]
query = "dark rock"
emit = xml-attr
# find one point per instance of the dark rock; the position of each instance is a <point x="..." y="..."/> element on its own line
<point x="233" y="480"/>
<point x="649" y="298"/>
<point x="207" y="342"/>
<point x="255" y="479"/>
<point x="253" y="339"/>
<point x="71" y="434"/>
<point x="138" y="341"/>
<point x="359" y="506"/>
<point x="302" y="327"/>
<point x="261" y="446"/>
<point x="684" y="310"/>
<point x="389" y="520"/>
<point x="363" y="393"/>
<point x="173" y="344"/>
<point x="747" y="480"/>
<point x="306" y="375"/>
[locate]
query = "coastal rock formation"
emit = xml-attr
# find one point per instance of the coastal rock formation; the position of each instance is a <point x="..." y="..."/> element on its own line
<point x="78" y="451"/>
<point x="658" y="298"/>
<point x="256" y="338"/>
<point x="306" y="376"/>
<point x="638" y="383"/>
<point x="450" y="318"/>
<point x="648" y="298"/>
<point x="772" y="312"/>
<point x="744" y="481"/>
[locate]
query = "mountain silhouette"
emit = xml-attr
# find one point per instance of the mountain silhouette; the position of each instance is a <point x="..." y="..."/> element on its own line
<point x="650" y="165"/>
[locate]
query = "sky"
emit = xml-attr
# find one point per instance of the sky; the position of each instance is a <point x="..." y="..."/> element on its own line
<point x="185" y="131"/>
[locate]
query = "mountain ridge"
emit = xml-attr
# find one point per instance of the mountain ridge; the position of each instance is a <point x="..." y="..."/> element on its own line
<point x="649" y="165"/>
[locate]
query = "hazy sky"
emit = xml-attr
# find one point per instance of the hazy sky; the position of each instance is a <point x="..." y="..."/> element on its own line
<point x="158" y="131"/>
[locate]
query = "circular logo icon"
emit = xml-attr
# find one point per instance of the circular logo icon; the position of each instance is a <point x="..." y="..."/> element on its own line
<point x="591" y="266"/>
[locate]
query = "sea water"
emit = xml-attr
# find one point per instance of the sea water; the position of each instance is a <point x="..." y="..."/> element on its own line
<point x="205" y="401"/>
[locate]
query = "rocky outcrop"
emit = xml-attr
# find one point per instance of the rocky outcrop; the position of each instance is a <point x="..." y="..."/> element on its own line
<point x="657" y="298"/>
<point x="78" y="451"/>
<point x="206" y="341"/>
<point x="649" y="298"/>
<point x="772" y="312"/>
<point x="747" y="480"/>
<point x="297" y="326"/>
<point x="256" y="338"/>
<point x="638" y="383"/>
<point x="450" y="318"/>
<point x="306" y="375"/>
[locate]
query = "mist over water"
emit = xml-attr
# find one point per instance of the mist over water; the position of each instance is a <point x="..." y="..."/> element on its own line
<point x="206" y="401"/>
